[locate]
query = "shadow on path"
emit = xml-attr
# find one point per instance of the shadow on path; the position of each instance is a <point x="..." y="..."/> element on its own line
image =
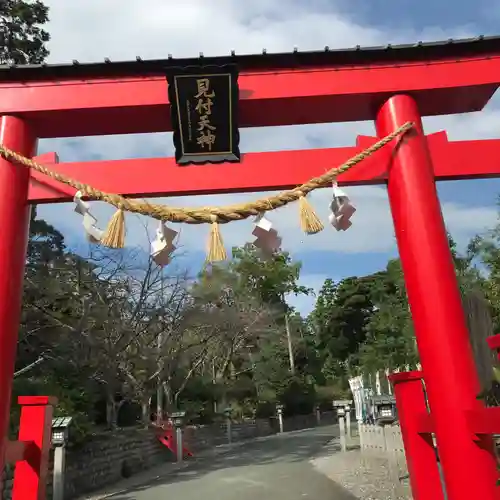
<point x="276" y="468"/>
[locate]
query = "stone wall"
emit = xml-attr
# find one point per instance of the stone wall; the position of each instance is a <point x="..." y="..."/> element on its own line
<point x="109" y="457"/>
<point x="299" y="422"/>
<point x="203" y="437"/>
<point x="104" y="460"/>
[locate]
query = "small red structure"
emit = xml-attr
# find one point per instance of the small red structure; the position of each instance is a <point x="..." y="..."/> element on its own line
<point x="30" y="453"/>
<point x="390" y="85"/>
<point x="166" y="436"/>
<point x="418" y="427"/>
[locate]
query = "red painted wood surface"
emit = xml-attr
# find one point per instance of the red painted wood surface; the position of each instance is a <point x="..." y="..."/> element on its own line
<point x="452" y="382"/>
<point x="14" y="219"/>
<point x="71" y="108"/>
<point x="419" y="447"/>
<point x="151" y="177"/>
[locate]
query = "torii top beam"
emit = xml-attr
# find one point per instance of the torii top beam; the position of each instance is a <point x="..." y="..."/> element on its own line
<point x="275" y="89"/>
<point x="455" y="76"/>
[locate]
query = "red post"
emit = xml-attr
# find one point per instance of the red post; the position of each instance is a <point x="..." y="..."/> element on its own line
<point x="14" y="219"/>
<point x="419" y="448"/>
<point x="30" y="476"/>
<point x="450" y="375"/>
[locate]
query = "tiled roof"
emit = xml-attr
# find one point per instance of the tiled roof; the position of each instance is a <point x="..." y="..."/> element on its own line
<point x="446" y="49"/>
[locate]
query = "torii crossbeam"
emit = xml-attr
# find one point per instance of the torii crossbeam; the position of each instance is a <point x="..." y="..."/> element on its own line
<point x="452" y="160"/>
<point x="391" y="85"/>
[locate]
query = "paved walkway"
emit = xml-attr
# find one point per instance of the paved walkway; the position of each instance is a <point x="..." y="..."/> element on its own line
<point x="277" y="468"/>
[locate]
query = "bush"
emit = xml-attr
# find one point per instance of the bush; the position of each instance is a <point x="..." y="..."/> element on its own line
<point x="298" y="397"/>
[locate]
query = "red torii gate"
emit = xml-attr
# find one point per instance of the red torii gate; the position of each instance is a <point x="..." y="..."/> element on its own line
<point x="391" y="85"/>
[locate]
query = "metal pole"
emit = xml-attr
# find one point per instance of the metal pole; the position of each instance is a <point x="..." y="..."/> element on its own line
<point x="178" y="440"/>
<point x="159" y="346"/>
<point x="348" y="422"/>
<point x="229" y="430"/>
<point x="290" y="345"/>
<point x="280" y="420"/>
<point x="159" y="387"/>
<point x="441" y="476"/>
<point x="58" y="474"/>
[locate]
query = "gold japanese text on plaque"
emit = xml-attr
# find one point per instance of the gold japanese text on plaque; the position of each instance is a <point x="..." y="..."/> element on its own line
<point x="204" y="107"/>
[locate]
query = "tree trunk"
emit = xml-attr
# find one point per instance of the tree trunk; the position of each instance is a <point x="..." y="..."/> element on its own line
<point x="214" y="385"/>
<point x="167" y="391"/>
<point x="159" y="403"/>
<point x="145" y="406"/>
<point x="222" y="402"/>
<point x="111" y="412"/>
<point x="480" y="328"/>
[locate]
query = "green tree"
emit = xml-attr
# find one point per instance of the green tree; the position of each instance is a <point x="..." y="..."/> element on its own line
<point x="48" y="361"/>
<point x="390" y="339"/>
<point x="241" y="322"/>
<point x="271" y="279"/>
<point x="484" y="253"/>
<point x="45" y="254"/>
<point x="22" y="40"/>
<point x="258" y="288"/>
<point x="339" y="320"/>
<point x="389" y="332"/>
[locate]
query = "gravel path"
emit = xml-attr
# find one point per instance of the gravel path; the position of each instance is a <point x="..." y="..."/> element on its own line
<point x="365" y="475"/>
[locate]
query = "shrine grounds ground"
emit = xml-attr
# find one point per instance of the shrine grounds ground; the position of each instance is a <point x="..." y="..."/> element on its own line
<point x="278" y="468"/>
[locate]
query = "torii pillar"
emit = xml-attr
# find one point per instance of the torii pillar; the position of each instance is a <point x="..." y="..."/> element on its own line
<point x="451" y="377"/>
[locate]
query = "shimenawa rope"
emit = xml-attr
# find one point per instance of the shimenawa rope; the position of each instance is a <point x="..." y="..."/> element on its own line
<point x="213" y="215"/>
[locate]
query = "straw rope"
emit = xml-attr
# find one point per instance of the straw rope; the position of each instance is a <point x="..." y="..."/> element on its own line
<point x="203" y="215"/>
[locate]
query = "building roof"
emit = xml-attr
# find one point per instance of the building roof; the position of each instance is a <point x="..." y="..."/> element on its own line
<point x="442" y="50"/>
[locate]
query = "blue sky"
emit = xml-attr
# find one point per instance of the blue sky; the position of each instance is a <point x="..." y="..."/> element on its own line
<point x="155" y="28"/>
<point x="444" y="14"/>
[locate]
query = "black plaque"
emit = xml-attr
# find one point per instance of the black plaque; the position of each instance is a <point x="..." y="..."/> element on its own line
<point x="204" y="103"/>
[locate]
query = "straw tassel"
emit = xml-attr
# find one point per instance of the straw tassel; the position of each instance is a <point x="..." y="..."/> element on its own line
<point x="216" y="250"/>
<point x="309" y="221"/>
<point x="114" y="236"/>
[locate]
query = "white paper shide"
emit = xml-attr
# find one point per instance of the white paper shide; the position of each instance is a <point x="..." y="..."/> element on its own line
<point x="162" y="247"/>
<point x="341" y="209"/>
<point x="268" y="240"/>
<point x="93" y="233"/>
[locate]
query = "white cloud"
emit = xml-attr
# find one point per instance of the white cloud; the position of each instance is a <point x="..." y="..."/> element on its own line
<point x="92" y="30"/>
